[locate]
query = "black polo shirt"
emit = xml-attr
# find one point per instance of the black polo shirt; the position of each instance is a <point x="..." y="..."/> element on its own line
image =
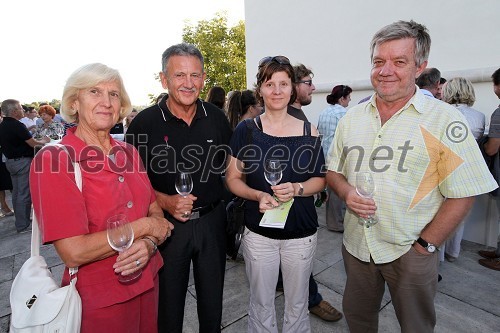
<point x="13" y="136"/>
<point x="167" y="144"/>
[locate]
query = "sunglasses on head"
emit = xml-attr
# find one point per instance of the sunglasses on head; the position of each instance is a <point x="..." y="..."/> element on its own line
<point x="282" y="60"/>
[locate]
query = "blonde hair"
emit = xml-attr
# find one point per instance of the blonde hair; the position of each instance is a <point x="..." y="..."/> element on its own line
<point x="459" y="90"/>
<point x="89" y="76"/>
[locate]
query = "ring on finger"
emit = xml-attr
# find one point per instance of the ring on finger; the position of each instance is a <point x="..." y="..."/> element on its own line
<point x="137" y="263"/>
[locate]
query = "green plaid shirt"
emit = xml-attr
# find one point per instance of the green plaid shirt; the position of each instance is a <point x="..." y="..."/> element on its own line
<point x="422" y="155"/>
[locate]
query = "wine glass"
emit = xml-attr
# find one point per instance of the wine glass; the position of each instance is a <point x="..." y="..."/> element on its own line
<point x="60" y="132"/>
<point x="365" y="187"/>
<point x="273" y="173"/>
<point x="184" y="186"/>
<point x="120" y="237"/>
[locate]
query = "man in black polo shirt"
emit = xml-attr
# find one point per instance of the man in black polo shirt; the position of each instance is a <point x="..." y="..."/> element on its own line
<point x="181" y="132"/>
<point x="18" y="147"/>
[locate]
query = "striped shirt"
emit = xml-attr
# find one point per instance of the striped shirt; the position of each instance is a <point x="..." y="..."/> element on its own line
<point x="418" y="157"/>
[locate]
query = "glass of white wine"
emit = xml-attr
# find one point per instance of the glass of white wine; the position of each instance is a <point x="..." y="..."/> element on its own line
<point x="120" y="237"/>
<point x="365" y="187"/>
<point x="184" y="186"/>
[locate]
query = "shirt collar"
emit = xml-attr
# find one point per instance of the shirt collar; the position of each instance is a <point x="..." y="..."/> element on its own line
<point x="418" y="101"/>
<point x="201" y="112"/>
<point x="80" y="151"/>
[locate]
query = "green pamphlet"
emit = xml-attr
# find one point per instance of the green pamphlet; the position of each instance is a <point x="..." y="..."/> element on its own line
<point x="276" y="217"/>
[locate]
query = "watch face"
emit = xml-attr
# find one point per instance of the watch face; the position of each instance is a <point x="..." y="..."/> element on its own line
<point x="431" y="248"/>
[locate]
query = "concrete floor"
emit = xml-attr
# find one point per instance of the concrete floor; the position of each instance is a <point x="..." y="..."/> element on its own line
<point x="467" y="299"/>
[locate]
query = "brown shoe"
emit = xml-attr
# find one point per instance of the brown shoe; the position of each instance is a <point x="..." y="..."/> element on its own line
<point x="488" y="254"/>
<point x="490" y="263"/>
<point x="326" y="311"/>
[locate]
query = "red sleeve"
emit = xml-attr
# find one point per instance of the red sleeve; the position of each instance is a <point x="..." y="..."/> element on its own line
<point x="58" y="203"/>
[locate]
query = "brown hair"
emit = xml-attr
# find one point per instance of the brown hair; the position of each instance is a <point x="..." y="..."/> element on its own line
<point x="267" y="70"/>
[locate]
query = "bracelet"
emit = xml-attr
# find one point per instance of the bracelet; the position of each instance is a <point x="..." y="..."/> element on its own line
<point x="155" y="247"/>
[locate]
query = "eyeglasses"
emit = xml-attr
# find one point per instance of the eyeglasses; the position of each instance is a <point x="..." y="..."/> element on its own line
<point x="308" y="82"/>
<point x="282" y="60"/>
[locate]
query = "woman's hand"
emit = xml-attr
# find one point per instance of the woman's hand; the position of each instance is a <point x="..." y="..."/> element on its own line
<point x="266" y="201"/>
<point x="161" y="228"/>
<point x="284" y="192"/>
<point x="363" y="207"/>
<point x="132" y="259"/>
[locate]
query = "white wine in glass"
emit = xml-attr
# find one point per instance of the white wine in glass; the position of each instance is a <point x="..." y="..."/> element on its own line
<point x="365" y="187"/>
<point x="184" y="186"/>
<point x="120" y="237"/>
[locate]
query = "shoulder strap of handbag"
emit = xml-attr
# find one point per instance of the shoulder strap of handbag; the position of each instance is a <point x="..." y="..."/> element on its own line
<point x="35" y="230"/>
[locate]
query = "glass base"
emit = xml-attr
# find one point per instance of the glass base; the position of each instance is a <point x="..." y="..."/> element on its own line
<point x="370" y="221"/>
<point x="130" y="278"/>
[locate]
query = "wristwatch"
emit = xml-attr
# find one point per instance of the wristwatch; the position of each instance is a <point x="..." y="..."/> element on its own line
<point x="155" y="247"/>
<point x="301" y="190"/>
<point x="428" y="246"/>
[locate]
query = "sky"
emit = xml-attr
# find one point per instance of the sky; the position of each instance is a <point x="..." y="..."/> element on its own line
<point x="43" y="42"/>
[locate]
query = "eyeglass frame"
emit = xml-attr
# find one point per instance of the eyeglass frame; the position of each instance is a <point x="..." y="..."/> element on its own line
<point x="308" y="82"/>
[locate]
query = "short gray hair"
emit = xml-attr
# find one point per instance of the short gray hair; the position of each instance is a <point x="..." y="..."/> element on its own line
<point x="401" y="30"/>
<point x="9" y="106"/>
<point x="430" y="77"/>
<point x="183" y="49"/>
<point x="88" y="76"/>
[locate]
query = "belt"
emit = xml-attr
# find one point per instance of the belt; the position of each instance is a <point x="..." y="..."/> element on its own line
<point x="198" y="212"/>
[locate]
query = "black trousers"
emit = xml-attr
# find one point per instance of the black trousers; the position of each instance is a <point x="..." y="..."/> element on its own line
<point x="202" y="242"/>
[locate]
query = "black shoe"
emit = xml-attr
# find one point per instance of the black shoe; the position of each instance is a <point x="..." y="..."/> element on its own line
<point x="439" y="277"/>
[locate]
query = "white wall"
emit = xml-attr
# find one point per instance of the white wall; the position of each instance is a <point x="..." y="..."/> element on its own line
<point x="333" y="38"/>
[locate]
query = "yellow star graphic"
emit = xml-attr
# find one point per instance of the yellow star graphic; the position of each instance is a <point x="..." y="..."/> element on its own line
<point x="442" y="162"/>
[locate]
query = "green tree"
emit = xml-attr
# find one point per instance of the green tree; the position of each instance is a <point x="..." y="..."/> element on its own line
<point x="223" y="49"/>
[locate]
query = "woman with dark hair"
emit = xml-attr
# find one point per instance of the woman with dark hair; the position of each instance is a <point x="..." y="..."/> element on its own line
<point x="217" y="96"/>
<point x="327" y="124"/>
<point x="294" y="143"/>
<point x="242" y="105"/>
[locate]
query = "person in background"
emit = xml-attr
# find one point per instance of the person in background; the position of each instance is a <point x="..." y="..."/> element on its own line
<point x="329" y="118"/>
<point x="217" y="96"/>
<point x="18" y="147"/>
<point x="428" y="82"/>
<point x="439" y="93"/>
<point x="266" y="249"/>
<point x="242" y="105"/>
<point x="128" y="120"/>
<point x="114" y="182"/>
<point x="29" y="119"/>
<point x="5" y="185"/>
<point x="49" y="127"/>
<point x="416" y="213"/>
<point x="491" y="259"/>
<point x="161" y="132"/>
<point x="459" y="92"/>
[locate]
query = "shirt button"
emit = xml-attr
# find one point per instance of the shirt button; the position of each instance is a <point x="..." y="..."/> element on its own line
<point x="380" y="136"/>
<point x="121" y="179"/>
<point x="130" y="204"/>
